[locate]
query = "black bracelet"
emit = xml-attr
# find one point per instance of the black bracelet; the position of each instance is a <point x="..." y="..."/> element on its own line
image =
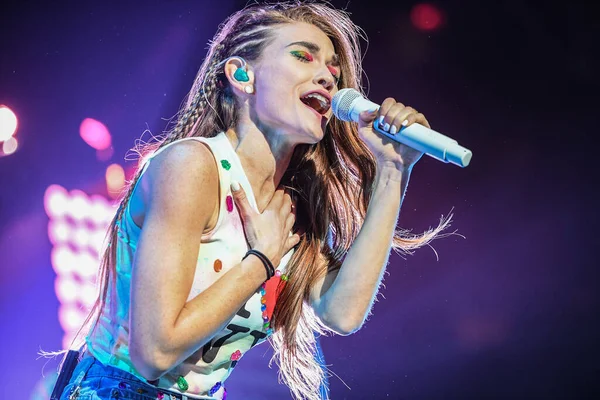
<point x="265" y="260"/>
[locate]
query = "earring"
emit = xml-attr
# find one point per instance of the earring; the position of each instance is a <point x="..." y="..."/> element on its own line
<point x="240" y="75"/>
<point x="249" y="89"/>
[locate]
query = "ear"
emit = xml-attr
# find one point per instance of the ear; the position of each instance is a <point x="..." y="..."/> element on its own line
<point x="230" y="67"/>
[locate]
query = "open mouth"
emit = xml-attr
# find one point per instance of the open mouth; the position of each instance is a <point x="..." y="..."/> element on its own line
<point x="317" y="102"/>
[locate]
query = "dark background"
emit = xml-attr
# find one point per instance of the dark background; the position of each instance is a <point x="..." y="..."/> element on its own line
<point x="508" y="312"/>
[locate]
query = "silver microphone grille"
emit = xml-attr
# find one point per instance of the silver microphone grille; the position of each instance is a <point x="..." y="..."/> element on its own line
<point x="342" y="101"/>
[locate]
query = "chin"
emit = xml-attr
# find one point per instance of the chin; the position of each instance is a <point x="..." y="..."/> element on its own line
<point x="319" y="132"/>
<point x="314" y="136"/>
<point x="313" y="130"/>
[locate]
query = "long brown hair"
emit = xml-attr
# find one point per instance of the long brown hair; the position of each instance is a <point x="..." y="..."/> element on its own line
<point x="332" y="178"/>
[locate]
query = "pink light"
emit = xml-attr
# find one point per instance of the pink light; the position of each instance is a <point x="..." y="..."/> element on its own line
<point x="67" y="263"/>
<point x="76" y="221"/>
<point x="426" y="17"/>
<point x="66" y="289"/>
<point x="88" y="295"/>
<point x="79" y="205"/>
<point x="63" y="260"/>
<point x="101" y="211"/>
<point x="68" y="338"/>
<point x="56" y="201"/>
<point x="97" y="241"/>
<point x="8" y="124"/>
<point x="87" y="266"/>
<point x="70" y="317"/>
<point x="81" y="237"/>
<point x="95" y="134"/>
<point x="59" y="231"/>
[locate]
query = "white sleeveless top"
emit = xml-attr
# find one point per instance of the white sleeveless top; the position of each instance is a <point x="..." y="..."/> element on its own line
<point x="221" y="248"/>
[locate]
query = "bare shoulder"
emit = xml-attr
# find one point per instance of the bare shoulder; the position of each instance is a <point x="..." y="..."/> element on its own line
<point x="182" y="179"/>
<point x="187" y="161"/>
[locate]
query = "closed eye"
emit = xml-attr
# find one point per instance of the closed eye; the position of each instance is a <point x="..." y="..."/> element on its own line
<point x="307" y="57"/>
<point x="302" y="56"/>
<point x="336" y="76"/>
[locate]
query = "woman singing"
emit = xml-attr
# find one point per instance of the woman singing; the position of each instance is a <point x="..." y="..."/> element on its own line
<point x="258" y="216"/>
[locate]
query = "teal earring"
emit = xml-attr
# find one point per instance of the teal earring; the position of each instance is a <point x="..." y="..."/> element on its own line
<point x="240" y="75"/>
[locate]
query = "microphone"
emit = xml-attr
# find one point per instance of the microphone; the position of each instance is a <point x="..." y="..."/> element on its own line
<point x="348" y="103"/>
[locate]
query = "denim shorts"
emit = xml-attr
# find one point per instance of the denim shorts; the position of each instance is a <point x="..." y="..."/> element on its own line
<point x="91" y="380"/>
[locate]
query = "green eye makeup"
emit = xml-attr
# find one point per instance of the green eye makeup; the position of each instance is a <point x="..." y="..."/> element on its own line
<point x="307" y="57"/>
<point x="302" y="55"/>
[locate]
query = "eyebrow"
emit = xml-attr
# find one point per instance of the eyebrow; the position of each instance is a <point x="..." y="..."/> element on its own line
<point x="335" y="59"/>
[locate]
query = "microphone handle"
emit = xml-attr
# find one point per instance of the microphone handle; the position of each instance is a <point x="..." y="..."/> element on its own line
<point x="417" y="136"/>
<point x="430" y="142"/>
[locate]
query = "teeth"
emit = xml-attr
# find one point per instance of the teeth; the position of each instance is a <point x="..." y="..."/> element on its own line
<point x="316" y="101"/>
<point x="323" y="100"/>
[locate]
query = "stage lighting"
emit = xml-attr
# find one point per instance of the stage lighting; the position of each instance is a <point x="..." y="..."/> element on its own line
<point x="77" y="228"/>
<point x="426" y="17"/>
<point x="95" y="133"/>
<point x="56" y="201"/>
<point x="115" y="179"/>
<point x="66" y="289"/>
<point x="59" y="231"/>
<point x="8" y="123"/>
<point x="9" y="146"/>
<point x="79" y="206"/>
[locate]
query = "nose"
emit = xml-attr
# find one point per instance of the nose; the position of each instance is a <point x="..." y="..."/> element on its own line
<point x="325" y="79"/>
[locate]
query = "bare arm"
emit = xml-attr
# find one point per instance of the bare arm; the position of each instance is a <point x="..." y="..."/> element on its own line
<point x="343" y="298"/>
<point x="181" y="192"/>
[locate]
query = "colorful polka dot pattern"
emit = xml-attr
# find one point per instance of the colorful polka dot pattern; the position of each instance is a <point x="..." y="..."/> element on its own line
<point x="215" y="388"/>
<point x="218" y="265"/>
<point x="223" y="247"/>
<point x="236" y="355"/>
<point x="182" y="384"/>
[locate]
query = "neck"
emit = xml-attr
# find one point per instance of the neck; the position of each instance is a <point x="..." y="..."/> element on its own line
<point x="265" y="157"/>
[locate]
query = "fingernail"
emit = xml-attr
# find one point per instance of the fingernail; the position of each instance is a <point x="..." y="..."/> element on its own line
<point x="235" y="186"/>
<point x="405" y="122"/>
<point x="393" y="130"/>
<point x="381" y="120"/>
<point x="386" y="127"/>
